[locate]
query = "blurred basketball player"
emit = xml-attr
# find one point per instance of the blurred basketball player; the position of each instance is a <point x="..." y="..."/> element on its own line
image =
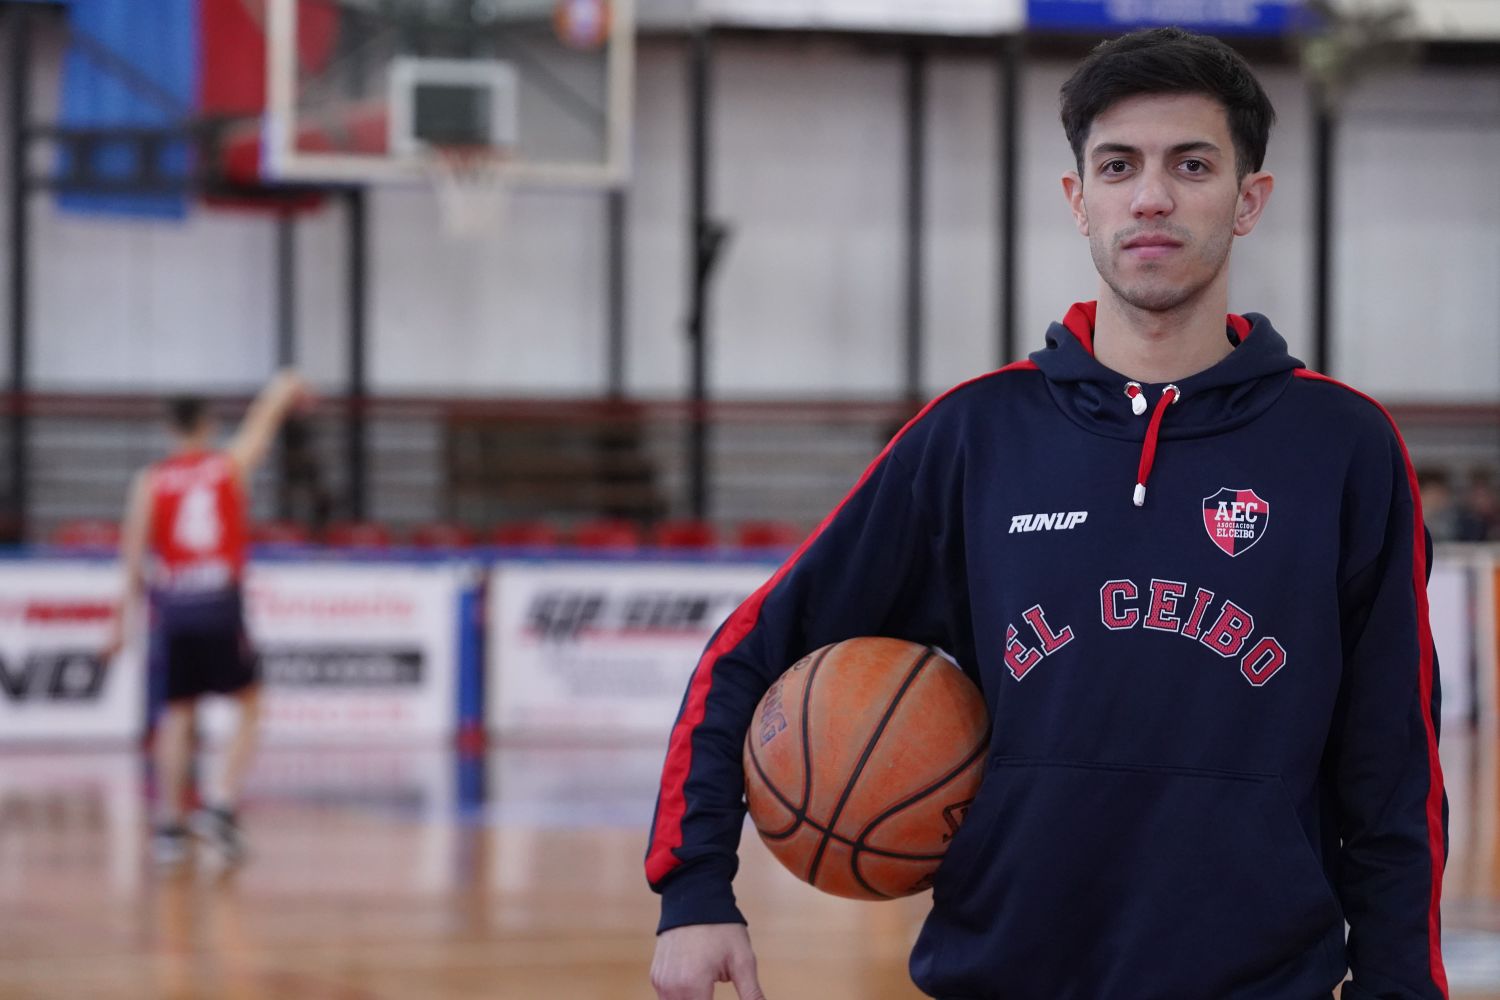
<point x="184" y="543"/>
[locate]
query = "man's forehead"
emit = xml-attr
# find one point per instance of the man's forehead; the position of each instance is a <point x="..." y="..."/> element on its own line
<point x="1161" y="120"/>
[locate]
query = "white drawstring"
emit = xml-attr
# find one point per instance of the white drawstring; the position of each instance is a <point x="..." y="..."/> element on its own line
<point x="1169" y="395"/>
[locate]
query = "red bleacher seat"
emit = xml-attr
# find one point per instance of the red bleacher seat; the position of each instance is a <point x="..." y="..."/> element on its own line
<point x="87" y="534"/>
<point x="768" y="535"/>
<point x="442" y="535"/>
<point x="687" y="534"/>
<point x="278" y="533"/>
<point x="607" y="533"/>
<point x="538" y="534"/>
<point x="358" y="535"/>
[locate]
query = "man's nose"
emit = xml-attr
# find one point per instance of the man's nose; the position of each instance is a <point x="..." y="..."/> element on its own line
<point x="1152" y="197"/>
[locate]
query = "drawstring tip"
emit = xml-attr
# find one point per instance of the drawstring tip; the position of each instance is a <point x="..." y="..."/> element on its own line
<point x="1140" y="494"/>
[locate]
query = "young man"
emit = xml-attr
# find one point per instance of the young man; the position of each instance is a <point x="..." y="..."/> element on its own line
<point x="184" y="540"/>
<point x="1214" y="695"/>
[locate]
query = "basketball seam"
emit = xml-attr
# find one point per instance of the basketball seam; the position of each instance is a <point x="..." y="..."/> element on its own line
<point x="863" y="848"/>
<point x="890" y="710"/>
<point x="807" y="769"/>
<point x="922" y="793"/>
<point x="765" y="780"/>
<point x="799" y="813"/>
<point x="859" y="847"/>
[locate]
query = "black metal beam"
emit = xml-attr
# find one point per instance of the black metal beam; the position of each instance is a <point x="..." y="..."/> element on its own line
<point x="614" y="303"/>
<point x="1322" y="165"/>
<point x="916" y="194"/>
<point x="1012" y="53"/>
<point x="20" y="252"/>
<point x="286" y="289"/>
<point x="356" y="392"/>
<point x="286" y="350"/>
<point x="705" y="239"/>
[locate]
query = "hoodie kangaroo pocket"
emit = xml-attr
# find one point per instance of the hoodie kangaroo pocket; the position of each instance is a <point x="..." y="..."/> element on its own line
<point x="1097" y="880"/>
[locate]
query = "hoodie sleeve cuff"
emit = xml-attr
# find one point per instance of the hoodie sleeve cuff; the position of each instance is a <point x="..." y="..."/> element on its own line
<point x="699" y="895"/>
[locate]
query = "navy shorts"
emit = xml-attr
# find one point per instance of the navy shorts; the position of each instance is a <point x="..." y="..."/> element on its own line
<point x="199" y="644"/>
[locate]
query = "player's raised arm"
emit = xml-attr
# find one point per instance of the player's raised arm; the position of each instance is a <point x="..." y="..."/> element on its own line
<point x="253" y="438"/>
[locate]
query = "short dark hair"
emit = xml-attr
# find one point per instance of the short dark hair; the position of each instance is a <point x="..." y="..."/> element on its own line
<point x="1170" y="61"/>
<point x="187" y="413"/>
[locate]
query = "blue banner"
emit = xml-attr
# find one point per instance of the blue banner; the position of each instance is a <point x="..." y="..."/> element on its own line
<point x="1218" y="17"/>
<point x="131" y="65"/>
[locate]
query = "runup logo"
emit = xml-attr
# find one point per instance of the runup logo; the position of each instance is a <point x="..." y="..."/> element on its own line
<point x="1060" y="521"/>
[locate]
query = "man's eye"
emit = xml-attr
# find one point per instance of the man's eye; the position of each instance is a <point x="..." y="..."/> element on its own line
<point x="1115" y="167"/>
<point x="1194" y="166"/>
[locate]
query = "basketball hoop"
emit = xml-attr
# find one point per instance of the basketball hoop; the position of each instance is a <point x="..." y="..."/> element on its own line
<point x="470" y="185"/>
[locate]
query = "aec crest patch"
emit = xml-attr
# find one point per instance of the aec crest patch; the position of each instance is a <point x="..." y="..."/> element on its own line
<point x="1235" y="519"/>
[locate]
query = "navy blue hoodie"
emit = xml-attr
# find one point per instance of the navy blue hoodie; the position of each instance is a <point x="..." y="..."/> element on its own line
<point x="1214" y="699"/>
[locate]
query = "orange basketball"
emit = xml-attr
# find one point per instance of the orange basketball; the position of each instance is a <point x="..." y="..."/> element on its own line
<point x="860" y="763"/>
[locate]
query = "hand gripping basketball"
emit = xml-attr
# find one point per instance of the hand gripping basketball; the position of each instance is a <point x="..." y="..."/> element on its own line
<point x="860" y="763"/>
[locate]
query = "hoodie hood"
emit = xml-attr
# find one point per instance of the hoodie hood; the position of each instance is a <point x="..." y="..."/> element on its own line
<point x="1236" y="390"/>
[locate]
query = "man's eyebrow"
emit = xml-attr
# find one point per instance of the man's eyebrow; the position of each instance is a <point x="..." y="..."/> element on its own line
<point x="1195" y="146"/>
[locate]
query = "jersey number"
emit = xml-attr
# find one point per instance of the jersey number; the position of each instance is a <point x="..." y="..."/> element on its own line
<point x="198" y="527"/>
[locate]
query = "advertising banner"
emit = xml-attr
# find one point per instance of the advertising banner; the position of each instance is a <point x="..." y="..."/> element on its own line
<point x="947" y="17"/>
<point x="363" y="651"/>
<point x="1257" y="17"/>
<point x="54" y="620"/>
<point x="602" y="649"/>
<point x="1450" y="613"/>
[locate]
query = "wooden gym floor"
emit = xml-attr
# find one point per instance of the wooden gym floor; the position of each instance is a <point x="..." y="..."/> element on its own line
<point x="382" y="874"/>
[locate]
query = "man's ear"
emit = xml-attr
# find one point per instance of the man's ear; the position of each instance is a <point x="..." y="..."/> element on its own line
<point x="1073" y="191"/>
<point x="1255" y="192"/>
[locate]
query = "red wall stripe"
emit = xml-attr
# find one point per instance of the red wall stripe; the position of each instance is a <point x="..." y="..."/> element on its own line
<point x="1424" y="679"/>
<point x="667" y="836"/>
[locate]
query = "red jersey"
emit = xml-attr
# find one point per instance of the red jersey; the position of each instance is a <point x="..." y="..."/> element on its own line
<point x="198" y="535"/>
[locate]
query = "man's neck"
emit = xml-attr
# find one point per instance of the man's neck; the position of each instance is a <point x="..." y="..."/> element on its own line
<point x="1161" y="346"/>
<point x="190" y="444"/>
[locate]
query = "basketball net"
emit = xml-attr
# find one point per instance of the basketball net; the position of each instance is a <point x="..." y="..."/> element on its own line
<point x="470" y="186"/>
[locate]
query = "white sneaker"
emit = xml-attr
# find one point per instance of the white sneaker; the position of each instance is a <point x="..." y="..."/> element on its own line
<point x="169" y="845"/>
<point x="218" y="828"/>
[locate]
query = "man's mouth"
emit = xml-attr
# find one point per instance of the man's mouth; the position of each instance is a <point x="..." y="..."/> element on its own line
<point x="1151" y="247"/>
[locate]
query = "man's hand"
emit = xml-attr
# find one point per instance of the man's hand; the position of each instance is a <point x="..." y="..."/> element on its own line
<point x="116" y="639"/>
<point x="689" y="960"/>
<point x="304" y="397"/>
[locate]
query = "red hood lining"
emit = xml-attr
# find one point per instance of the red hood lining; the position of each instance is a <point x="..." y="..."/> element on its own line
<point x="1081" y="317"/>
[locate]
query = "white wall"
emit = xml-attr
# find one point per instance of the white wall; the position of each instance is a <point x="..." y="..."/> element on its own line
<point x="808" y="162"/>
<point x="961" y="289"/>
<point x="808" y="159"/>
<point x="1418" y="216"/>
<point x="117" y="301"/>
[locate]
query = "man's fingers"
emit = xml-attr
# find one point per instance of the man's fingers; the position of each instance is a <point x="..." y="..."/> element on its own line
<point x="742" y="974"/>
<point x="679" y="984"/>
<point x="686" y="991"/>
<point x="667" y="989"/>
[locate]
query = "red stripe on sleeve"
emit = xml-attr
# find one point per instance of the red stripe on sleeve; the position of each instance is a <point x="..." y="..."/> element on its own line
<point x="1424" y="680"/>
<point x="667" y="835"/>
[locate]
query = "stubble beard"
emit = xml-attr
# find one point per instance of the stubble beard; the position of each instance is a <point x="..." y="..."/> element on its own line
<point x="1154" y="291"/>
